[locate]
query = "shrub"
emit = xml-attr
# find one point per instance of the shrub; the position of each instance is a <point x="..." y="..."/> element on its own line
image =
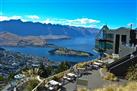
<point x="1" y="78"/>
<point x="55" y="78"/>
<point x="110" y="56"/>
<point x="131" y="86"/>
<point x="11" y="76"/>
<point x="115" y="59"/>
<point x="82" y="89"/>
<point x="81" y="65"/>
<point x="110" y="76"/>
<point x="63" y="66"/>
<point x="132" y="73"/>
<point x="31" y="84"/>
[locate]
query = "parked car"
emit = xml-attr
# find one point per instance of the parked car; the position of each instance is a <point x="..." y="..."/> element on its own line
<point x="53" y="85"/>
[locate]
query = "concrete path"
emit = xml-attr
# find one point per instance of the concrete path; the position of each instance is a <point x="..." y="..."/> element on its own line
<point x="94" y="79"/>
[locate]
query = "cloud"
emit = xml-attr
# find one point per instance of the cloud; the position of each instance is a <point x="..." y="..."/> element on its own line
<point x="79" y="22"/>
<point x="133" y="24"/>
<point x="2" y="18"/>
<point x="83" y="21"/>
<point x="33" y="17"/>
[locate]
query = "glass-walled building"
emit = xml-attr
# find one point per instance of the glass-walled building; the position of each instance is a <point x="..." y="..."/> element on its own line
<point x="121" y="41"/>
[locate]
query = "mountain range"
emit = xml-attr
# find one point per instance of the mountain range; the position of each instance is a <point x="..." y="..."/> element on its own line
<point x="36" y="29"/>
<point x="10" y="39"/>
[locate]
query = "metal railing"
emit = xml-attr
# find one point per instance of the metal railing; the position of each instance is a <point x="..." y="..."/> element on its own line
<point x="122" y="61"/>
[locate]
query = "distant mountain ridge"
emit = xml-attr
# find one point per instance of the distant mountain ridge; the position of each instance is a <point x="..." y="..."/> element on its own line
<point x="29" y="28"/>
<point x="10" y="39"/>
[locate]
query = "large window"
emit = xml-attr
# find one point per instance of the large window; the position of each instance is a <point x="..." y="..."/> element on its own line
<point x="123" y="39"/>
<point x="109" y="45"/>
<point x="108" y="36"/>
<point x="117" y="40"/>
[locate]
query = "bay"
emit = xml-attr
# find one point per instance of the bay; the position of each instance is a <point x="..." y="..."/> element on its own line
<point x="86" y="44"/>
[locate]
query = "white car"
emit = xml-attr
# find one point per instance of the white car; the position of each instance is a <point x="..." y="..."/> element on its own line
<point x="67" y="78"/>
<point x="71" y="75"/>
<point x="95" y="66"/>
<point x="97" y="63"/>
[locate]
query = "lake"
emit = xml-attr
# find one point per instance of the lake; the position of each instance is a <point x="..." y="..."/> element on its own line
<point x="81" y="43"/>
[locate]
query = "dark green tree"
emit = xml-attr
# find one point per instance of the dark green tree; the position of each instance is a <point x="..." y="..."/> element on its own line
<point x="1" y="78"/>
<point x="45" y="71"/>
<point x="11" y="76"/>
<point x="63" y="66"/>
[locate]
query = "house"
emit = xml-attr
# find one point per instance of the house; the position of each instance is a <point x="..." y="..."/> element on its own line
<point x="121" y="41"/>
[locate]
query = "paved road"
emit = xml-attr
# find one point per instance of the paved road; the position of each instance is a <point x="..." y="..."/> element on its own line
<point x="71" y="86"/>
<point x="94" y="81"/>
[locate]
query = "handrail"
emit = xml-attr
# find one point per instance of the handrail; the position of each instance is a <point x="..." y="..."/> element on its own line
<point x="122" y="63"/>
<point x="35" y="89"/>
<point x="66" y="71"/>
<point x="121" y="60"/>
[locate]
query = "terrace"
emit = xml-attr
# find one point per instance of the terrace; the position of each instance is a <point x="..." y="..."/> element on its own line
<point x="86" y="74"/>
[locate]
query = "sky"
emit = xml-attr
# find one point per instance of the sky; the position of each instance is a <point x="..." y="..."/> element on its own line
<point x="85" y="13"/>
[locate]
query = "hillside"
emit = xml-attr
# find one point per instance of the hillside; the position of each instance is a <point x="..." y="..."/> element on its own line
<point x="29" y="28"/>
<point x="10" y="39"/>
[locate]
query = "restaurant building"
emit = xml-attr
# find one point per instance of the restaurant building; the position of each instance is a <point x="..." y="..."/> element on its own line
<point x="120" y="42"/>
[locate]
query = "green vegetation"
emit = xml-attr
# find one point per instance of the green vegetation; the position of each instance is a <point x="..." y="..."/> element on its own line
<point x="110" y="56"/>
<point x="81" y="65"/>
<point x="110" y="76"/>
<point x="82" y="89"/>
<point x="84" y="54"/>
<point x="1" y="78"/>
<point x="63" y="66"/>
<point x="31" y="72"/>
<point x="131" y="86"/>
<point x="48" y="71"/>
<point x="70" y="52"/>
<point x="3" y="82"/>
<point x="11" y="76"/>
<point x="132" y="73"/>
<point x="57" y="76"/>
<point x="115" y="59"/>
<point x="31" y="85"/>
<point x="45" y="71"/>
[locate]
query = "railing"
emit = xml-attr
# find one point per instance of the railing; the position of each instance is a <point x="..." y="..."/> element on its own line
<point x="49" y="78"/>
<point x="121" y="61"/>
<point x="129" y="45"/>
<point x="118" y="61"/>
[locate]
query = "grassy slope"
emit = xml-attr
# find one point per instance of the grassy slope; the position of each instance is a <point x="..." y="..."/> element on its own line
<point x="131" y="86"/>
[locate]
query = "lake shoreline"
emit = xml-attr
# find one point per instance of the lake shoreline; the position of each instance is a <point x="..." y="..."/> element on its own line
<point x="70" y="52"/>
<point x="79" y="43"/>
